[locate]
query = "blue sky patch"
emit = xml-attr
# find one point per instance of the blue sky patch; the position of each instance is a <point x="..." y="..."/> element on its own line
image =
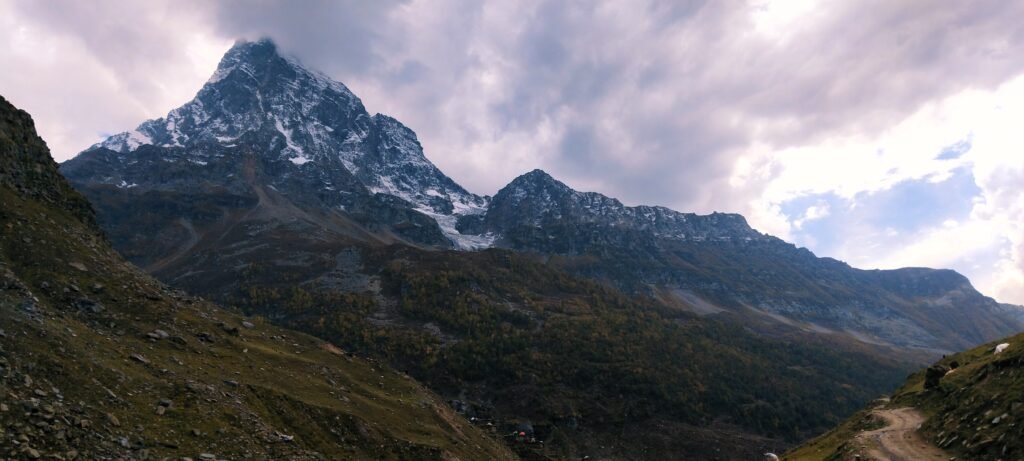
<point x="956" y="150"/>
<point x="901" y="210"/>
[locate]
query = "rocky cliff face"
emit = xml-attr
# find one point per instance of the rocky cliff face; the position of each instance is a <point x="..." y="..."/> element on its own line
<point x="26" y="165"/>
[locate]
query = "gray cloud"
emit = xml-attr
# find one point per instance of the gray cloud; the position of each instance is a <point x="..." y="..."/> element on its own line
<point x="657" y="102"/>
<point x="341" y="37"/>
<point x="119" y="35"/>
<point x="867" y="64"/>
<point x="651" y="102"/>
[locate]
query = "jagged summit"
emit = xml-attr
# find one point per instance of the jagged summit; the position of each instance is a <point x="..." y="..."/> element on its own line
<point x="536" y="199"/>
<point x="255" y="89"/>
<point x="245" y="52"/>
<point x="537" y="177"/>
<point x="537" y="174"/>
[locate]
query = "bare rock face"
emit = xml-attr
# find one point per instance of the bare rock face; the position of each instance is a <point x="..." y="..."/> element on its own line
<point x="533" y="208"/>
<point x="26" y="166"/>
<point x="933" y="374"/>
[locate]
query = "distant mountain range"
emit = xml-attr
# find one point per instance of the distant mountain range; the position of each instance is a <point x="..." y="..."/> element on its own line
<point x="275" y="191"/>
<point x="717" y="262"/>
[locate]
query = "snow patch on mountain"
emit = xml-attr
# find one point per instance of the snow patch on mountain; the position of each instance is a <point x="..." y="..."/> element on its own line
<point x="298" y="153"/>
<point x="461" y="241"/>
<point x="136" y="139"/>
<point x="124" y="142"/>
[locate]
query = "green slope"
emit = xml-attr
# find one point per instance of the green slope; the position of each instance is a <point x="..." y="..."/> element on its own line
<point x="603" y="373"/>
<point x="975" y="411"/>
<point x="974" y="406"/>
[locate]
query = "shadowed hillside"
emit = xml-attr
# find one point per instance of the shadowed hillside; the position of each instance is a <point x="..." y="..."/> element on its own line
<point x="100" y="361"/>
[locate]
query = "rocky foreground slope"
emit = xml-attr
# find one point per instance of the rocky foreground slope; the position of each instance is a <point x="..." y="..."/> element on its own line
<point x="100" y="361"/>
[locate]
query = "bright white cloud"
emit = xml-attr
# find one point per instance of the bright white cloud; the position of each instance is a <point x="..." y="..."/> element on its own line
<point x="779" y="18"/>
<point x="140" y="62"/>
<point x="849" y="166"/>
<point x="814" y="212"/>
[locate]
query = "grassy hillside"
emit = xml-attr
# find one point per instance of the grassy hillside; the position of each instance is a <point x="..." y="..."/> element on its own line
<point x="976" y="410"/>
<point x="100" y="361"/>
<point x="973" y="401"/>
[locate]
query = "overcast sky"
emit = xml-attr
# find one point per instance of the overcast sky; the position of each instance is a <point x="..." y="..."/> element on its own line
<point x="882" y="133"/>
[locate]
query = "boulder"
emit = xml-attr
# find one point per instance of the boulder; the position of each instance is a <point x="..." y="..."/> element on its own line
<point x="933" y="374"/>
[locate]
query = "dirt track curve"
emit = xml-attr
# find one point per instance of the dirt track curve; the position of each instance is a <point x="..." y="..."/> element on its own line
<point x="899" y="440"/>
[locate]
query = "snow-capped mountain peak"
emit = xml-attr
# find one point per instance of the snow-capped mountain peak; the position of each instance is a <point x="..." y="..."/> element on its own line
<point x="255" y="88"/>
<point x="309" y="125"/>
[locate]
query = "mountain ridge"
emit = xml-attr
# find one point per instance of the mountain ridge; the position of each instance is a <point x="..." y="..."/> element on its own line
<point x="561" y="202"/>
<point x="316" y="156"/>
<point x="717" y="262"/>
<point x="26" y="166"/>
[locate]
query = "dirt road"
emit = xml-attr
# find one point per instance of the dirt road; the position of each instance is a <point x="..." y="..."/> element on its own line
<point x="898" y="441"/>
